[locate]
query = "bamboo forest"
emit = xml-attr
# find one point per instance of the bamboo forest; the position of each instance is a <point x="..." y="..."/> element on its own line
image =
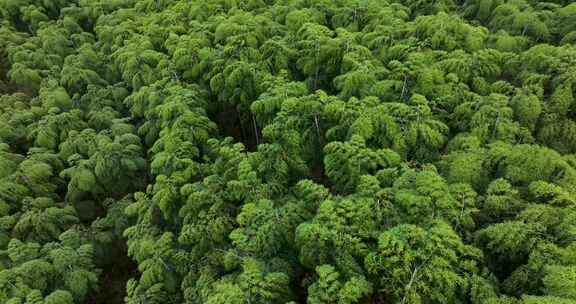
<point x="287" y="151"/>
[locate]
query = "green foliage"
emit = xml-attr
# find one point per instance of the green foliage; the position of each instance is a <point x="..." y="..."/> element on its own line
<point x="422" y="197"/>
<point x="345" y="162"/>
<point x="100" y="165"/>
<point x="560" y="281"/>
<point x="329" y="289"/>
<point x="59" y="266"/>
<point x="416" y="265"/>
<point x="284" y="151"/>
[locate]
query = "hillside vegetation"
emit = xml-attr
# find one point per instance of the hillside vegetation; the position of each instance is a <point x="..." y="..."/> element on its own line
<point x="287" y="151"/>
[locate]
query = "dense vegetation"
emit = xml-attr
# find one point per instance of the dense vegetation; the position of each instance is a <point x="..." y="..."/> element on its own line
<point x="287" y="151"/>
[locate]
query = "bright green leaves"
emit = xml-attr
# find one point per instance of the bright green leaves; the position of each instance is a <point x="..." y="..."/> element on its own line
<point x="287" y="150"/>
<point x="545" y="300"/>
<point x="76" y="267"/>
<point x="448" y="32"/>
<point x="527" y="163"/>
<point x="297" y="129"/>
<point x="102" y="165"/>
<point x="345" y="162"/>
<point x="330" y="288"/>
<point x="527" y="109"/>
<point x="270" y="102"/>
<point x="39" y="256"/>
<point x="519" y="164"/>
<point x="423" y="197"/>
<point x="59" y="296"/>
<point x="481" y="9"/>
<point x="55" y="98"/>
<point x="557" y="131"/>
<point x="30" y="177"/>
<point x="417" y="265"/>
<point x="562" y="100"/>
<point x="319" y="54"/>
<point x="243" y="28"/>
<point x="296" y="18"/>
<point x="359" y="74"/>
<point x="501" y="202"/>
<point x="508" y="242"/>
<point x="410" y="130"/>
<point x="466" y="165"/>
<point x="158" y="279"/>
<point x="337" y="233"/>
<point x="564" y="22"/>
<point x="557" y="223"/>
<point x="546" y="193"/>
<point x="344" y="231"/>
<point x="60" y="266"/>
<point x="237" y="83"/>
<point x="190" y="54"/>
<point x="53" y="129"/>
<point x="186" y="130"/>
<point x="505" y="42"/>
<point x="139" y="64"/>
<point x="82" y="70"/>
<point x="254" y="284"/>
<point x="379" y="135"/>
<point x="560" y="281"/>
<point x="28" y="79"/>
<point x="33" y="16"/>
<point x="520" y="19"/>
<point x="266" y="230"/>
<point x="43" y="220"/>
<point x="529" y="237"/>
<point x="227" y="293"/>
<point x="489" y="119"/>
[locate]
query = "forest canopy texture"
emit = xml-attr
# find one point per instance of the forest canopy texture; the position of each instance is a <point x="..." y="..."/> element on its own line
<point x="287" y="151"/>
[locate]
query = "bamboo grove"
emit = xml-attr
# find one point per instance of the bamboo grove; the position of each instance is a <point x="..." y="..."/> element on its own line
<point x="287" y="151"/>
